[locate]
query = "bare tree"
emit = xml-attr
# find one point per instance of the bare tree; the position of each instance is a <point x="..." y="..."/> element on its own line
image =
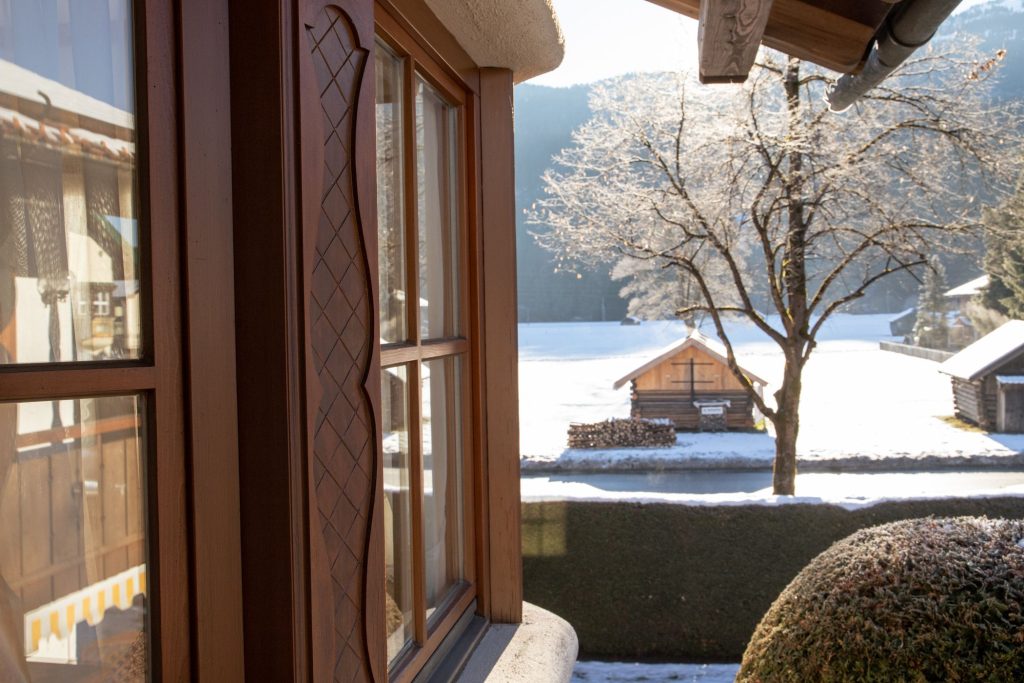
<point x="766" y="200"/>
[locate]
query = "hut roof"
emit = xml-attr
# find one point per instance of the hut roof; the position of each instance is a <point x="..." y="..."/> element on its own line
<point x="969" y="288"/>
<point x="988" y="353"/>
<point x="27" y="85"/>
<point x="712" y="347"/>
<point x="903" y="314"/>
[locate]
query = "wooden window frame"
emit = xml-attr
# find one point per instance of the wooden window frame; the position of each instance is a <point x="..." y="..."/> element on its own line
<point x="490" y="186"/>
<point x="157" y="376"/>
<point x="418" y="63"/>
<point x="186" y="373"/>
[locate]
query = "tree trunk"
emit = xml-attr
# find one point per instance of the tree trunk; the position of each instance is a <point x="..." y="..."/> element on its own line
<point x="787" y="427"/>
<point x="795" y="315"/>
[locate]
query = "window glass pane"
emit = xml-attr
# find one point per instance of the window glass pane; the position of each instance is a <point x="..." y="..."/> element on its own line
<point x="390" y="216"/>
<point x="72" y="540"/>
<point x="397" y="509"/>
<point x="69" y="242"/>
<point x="437" y="215"/>
<point x="442" y="477"/>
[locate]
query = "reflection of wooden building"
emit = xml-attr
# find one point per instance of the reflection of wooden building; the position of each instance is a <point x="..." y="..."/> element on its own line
<point x="73" y="527"/>
<point x="988" y="379"/>
<point x="67" y="192"/>
<point x="691" y="380"/>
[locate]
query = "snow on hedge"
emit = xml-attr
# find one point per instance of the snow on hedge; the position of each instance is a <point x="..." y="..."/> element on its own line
<point x="552" y="489"/>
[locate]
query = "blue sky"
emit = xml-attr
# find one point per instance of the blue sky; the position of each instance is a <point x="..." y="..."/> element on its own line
<point x="605" y="38"/>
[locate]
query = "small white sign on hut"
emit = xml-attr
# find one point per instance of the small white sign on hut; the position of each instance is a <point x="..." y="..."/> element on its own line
<point x="690" y="383"/>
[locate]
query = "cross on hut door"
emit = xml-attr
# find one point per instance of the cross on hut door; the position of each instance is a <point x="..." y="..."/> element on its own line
<point x="692" y="379"/>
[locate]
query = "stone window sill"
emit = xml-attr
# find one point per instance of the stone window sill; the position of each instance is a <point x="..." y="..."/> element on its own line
<point x="542" y="649"/>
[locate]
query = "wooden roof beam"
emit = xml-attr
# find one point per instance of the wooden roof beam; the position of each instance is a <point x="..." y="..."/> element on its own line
<point x="728" y="37"/>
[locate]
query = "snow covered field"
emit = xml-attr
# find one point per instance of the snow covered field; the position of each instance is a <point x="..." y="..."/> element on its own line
<point x="860" y="406"/>
<point x="630" y="672"/>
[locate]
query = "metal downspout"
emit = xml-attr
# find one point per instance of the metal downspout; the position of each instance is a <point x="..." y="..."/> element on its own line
<point x="908" y="27"/>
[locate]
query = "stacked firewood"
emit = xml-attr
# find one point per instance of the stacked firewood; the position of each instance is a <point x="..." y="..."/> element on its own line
<point x="622" y="433"/>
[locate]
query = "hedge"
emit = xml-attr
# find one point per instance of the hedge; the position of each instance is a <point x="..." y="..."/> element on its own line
<point x="688" y="583"/>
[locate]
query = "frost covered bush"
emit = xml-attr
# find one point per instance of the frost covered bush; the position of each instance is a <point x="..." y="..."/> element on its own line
<point x="916" y="600"/>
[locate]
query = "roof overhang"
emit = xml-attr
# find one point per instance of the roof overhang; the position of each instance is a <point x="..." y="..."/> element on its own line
<point x="836" y="34"/>
<point x="969" y="288"/>
<point x="522" y="36"/>
<point x="865" y="40"/>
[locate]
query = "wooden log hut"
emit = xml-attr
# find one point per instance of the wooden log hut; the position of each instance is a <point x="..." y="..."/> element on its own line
<point x="988" y="379"/>
<point x="689" y="382"/>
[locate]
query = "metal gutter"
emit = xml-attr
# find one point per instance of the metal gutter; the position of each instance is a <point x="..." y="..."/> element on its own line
<point x="909" y="26"/>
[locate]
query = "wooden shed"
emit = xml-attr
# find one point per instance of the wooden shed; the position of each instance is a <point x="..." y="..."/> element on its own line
<point x="988" y="379"/>
<point x="689" y="382"/>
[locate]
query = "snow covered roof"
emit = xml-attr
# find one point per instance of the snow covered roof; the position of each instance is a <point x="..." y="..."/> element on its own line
<point x="1010" y="379"/>
<point x="710" y="346"/>
<point x="969" y="288"/>
<point x="65" y="107"/>
<point x="28" y="85"/>
<point x="903" y="314"/>
<point x="988" y="353"/>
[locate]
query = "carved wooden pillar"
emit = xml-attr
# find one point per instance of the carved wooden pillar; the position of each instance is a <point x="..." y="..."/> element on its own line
<point x="303" y="169"/>
<point x="337" y="157"/>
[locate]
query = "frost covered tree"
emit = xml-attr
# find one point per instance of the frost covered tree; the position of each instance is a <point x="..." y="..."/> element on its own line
<point x="931" y="328"/>
<point x="658" y="293"/>
<point x="766" y="200"/>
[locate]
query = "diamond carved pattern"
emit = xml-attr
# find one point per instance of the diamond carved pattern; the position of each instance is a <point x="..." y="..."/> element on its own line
<point x="343" y="450"/>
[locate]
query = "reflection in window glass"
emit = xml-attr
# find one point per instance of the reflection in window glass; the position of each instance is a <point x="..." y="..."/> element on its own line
<point x="436" y="176"/>
<point x="390" y="218"/>
<point x="72" y="541"/>
<point x="397" y="509"/>
<point x="442" y="477"/>
<point x="69" y="262"/>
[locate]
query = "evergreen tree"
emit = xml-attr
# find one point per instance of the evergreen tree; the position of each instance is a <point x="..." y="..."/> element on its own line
<point x="932" y="329"/>
<point x="1004" y="257"/>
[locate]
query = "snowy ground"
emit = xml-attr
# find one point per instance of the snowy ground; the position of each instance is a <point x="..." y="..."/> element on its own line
<point x="633" y="672"/>
<point x="861" y="406"/>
